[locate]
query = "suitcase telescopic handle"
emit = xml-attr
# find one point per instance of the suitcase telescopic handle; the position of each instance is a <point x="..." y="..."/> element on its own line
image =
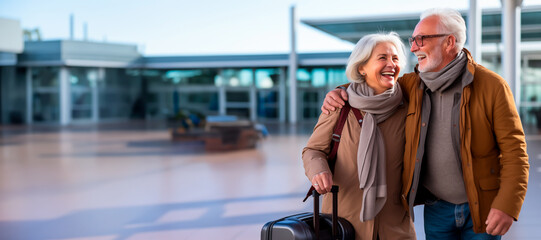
<point x="334" y="190"/>
<point x="315" y="194"/>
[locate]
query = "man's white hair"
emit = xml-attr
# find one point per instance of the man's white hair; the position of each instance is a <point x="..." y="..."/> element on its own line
<point x="451" y="21"/>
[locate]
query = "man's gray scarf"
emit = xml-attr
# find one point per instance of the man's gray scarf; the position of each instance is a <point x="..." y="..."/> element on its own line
<point x="439" y="81"/>
<point x="371" y="149"/>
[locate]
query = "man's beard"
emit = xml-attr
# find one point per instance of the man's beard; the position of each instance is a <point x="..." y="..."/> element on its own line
<point x="431" y="62"/>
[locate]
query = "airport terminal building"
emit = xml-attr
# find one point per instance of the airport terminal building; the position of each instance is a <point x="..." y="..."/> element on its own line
<point x="71" y="81"/>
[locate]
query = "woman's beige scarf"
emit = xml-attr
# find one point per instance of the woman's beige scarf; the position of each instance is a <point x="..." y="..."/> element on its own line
<point x="371" y="151"/>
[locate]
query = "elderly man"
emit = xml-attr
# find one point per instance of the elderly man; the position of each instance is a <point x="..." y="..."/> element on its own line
<point x="465" y="156"/>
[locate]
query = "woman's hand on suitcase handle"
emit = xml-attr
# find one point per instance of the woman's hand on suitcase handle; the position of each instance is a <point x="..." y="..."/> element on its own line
<point x="322" y="182"/>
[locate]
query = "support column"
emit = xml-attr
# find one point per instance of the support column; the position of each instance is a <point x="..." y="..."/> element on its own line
<point x="29" y="96"/>
<point x="282" y="91"/>
<point x="4" y="114"/>
<point x="253" y="98"/>
<point x="475" y="30"/>
<point x="65" y="97"/>
<point x="95" y="88"/>
<point x="511" y="31"/>
<point x="222" y="99"/>
<point x="293" y="70"/>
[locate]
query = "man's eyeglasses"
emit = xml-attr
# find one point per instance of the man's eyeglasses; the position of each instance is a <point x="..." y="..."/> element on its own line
<point x="419" y="38"/>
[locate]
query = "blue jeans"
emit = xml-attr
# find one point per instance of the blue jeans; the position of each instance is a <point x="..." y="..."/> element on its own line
<point x="447" y="221"/>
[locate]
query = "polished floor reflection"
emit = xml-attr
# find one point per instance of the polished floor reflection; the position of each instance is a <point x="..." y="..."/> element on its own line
<point x="130" y="182"/>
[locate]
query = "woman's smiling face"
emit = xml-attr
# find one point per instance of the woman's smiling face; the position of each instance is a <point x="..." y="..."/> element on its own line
<point x="382" y="68"/>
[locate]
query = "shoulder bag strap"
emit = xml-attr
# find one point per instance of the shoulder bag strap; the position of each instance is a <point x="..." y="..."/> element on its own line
<point x="337" y="134"/>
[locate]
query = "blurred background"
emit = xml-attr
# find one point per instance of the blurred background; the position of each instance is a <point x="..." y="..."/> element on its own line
<point x="185" y="119"/>
<point x="154" y="60"/>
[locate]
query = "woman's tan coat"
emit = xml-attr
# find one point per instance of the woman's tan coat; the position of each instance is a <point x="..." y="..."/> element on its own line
<point x="393" y="222"/>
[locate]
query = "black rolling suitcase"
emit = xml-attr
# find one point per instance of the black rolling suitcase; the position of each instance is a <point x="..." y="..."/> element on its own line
<point x="310" y="225"/>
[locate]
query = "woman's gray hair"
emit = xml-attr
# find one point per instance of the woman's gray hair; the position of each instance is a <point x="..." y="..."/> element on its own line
<point x="451" y="21"/>
<point x="363" y="50"/>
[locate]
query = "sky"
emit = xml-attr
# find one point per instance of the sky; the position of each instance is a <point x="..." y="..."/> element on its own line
<point x="208" y="27"/>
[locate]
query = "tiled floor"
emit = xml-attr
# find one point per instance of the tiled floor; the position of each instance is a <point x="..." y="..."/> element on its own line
<point x="131" y="182"/>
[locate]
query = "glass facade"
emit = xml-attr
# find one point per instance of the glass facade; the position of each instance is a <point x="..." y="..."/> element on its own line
<point x="246" y="93"/>
<point x="45" y="85"/>
<point x="530" y="108"/>
<point x="83" y="85"/>
<point x="313" y="83"/>
<point x="239" y="88"/>
<point x="121" y="94"/>
<point x="100" y="94"/>
<point x="13" y="100"/>
<point x="172" y="92"/>
<point x="267" y="82"/>
<point x="267" y="78"/>
<point x="236" y="78"/>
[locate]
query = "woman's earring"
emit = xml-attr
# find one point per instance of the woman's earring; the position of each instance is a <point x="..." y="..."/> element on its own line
<point x="363" y="76"/>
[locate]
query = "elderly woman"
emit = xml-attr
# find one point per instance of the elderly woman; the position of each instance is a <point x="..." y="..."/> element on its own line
<point x="369" y="159"/>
